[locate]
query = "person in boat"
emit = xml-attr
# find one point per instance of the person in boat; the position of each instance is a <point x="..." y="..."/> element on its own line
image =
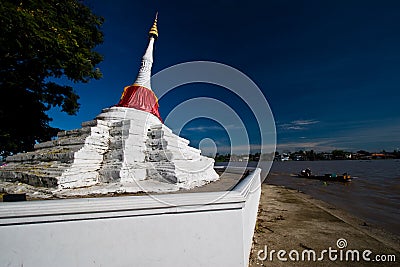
<point x="306" y="172"/>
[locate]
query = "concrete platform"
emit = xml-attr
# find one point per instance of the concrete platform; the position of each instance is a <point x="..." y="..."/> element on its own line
<point x="227" y="181"/>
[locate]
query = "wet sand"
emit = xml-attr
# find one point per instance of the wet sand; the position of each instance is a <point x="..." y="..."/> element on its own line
<point x="291" y="220"/>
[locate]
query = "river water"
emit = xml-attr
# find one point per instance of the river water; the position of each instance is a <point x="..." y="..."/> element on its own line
<point x="373" y="194"/>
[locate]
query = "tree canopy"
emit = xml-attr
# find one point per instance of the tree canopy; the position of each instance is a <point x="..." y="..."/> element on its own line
<point x="40" y="40"/>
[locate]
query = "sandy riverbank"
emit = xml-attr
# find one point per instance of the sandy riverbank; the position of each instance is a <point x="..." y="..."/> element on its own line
<point x="290" y="220"/>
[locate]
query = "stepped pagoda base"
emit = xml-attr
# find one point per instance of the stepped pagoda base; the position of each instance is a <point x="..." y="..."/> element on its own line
<point x="122" y="150"/>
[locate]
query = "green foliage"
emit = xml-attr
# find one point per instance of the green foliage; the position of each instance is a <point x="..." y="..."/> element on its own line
<point x="222" y="158"/>
<point x="338" y="154"/>
<point x="39" y="40"/>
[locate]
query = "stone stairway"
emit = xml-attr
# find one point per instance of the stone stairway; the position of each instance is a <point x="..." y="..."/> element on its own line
<point x="173" y="160"/>
<point x="47" y="161"/>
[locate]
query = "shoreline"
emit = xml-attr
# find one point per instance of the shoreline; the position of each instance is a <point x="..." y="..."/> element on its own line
<point x="373" y="193"/>
<point x="289" y="219"/>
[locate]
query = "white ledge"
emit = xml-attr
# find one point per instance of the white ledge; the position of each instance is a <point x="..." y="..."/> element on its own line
<point x="176" y="229"/>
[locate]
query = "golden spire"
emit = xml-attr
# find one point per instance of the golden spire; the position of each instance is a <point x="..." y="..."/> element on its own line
<point x="153" y="31"/>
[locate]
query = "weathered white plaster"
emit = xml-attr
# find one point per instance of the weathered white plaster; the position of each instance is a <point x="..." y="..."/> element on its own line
<point x="122" y="147"/>
<point x="87" y="161"/>
<point x="143" y="78"/>
<point x="149" y="150"/>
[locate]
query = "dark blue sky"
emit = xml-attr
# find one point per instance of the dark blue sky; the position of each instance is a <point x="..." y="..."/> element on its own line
<point x="330" y="70"/>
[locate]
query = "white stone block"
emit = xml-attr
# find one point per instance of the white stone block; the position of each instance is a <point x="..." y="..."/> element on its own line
<point x="131" y="174"/>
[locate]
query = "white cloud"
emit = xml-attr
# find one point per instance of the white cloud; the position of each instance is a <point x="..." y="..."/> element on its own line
<point x="304" y="122"/>
<point x="212" y="128"/>
<point x="297" y="125"/>
<point x="244" y="149"/>
<point x="203" y="128"/>
<point x="370" y="135"/>
<point x="314" y="145"/>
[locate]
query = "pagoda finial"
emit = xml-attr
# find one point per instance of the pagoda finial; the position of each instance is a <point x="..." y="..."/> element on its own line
<point x="139" y="95"/>
<point x="154" y="31"/>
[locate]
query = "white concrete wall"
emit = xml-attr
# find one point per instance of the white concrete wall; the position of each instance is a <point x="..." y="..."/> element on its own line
<point x="191" y="229"/>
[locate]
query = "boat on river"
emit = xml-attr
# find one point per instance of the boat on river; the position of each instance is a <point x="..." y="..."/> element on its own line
<point x="345" y="177"/>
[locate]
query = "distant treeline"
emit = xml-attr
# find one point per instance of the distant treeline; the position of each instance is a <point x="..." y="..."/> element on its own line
<point x="311" y="155"/>
<point x="336" y="155"/>
<point x="250" y="157"/>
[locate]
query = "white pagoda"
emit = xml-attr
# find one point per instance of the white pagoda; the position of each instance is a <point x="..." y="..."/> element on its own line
<point x="125" y="145"/>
